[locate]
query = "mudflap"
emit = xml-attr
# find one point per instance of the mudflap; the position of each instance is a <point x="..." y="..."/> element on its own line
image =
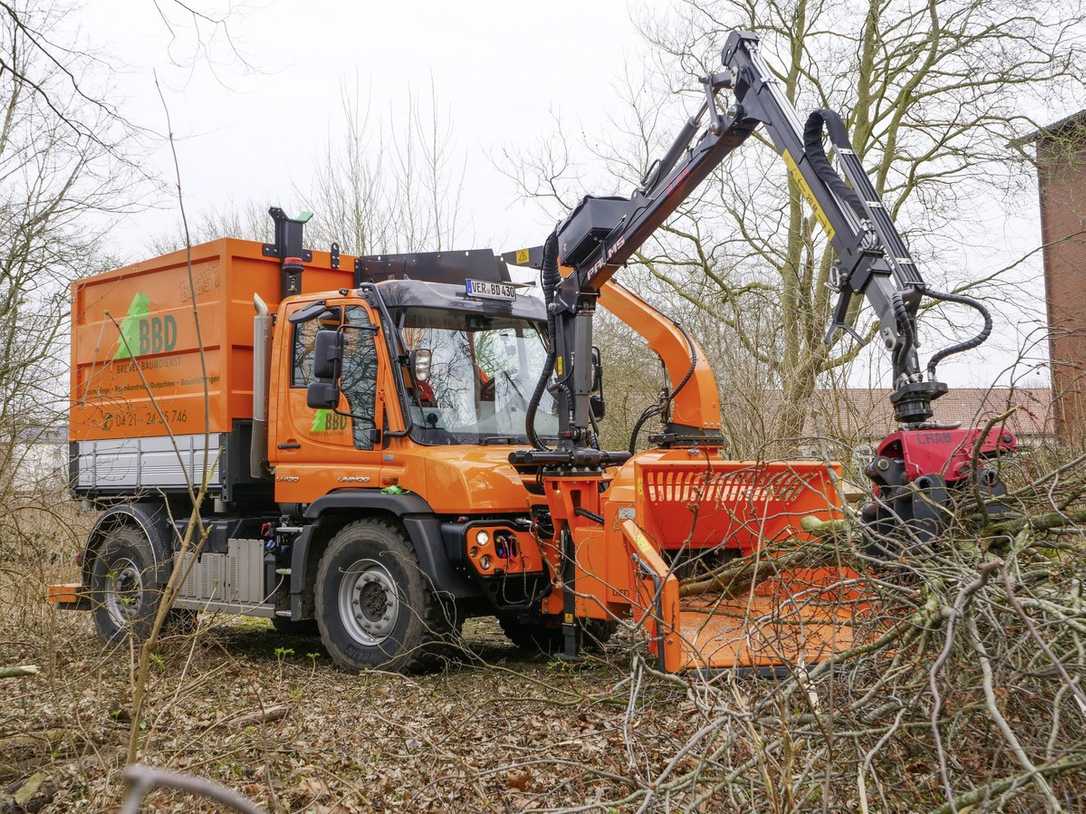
<point x="69" y="596"/>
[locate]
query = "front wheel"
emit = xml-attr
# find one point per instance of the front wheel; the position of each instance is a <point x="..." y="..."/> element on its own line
<point x="374" y="606"/>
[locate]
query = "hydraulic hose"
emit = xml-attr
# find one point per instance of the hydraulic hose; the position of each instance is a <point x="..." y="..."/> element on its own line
<point x="968" y="344"/>
<point x="549" y="280"/>
<point x="646" y="414"/>
<point x="905" y="326"/>
<point x="828" y="121"/>
<point x="662" y="406"/>
<point x="815" y="151"/>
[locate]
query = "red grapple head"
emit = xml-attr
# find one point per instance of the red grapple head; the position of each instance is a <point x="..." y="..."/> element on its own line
<point x="946" y="452"/>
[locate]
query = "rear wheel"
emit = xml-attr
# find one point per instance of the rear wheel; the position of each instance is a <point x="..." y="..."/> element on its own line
<point x="541" y="637"/>
<point x="374" y="606"/>
<point x="125" y="590"/>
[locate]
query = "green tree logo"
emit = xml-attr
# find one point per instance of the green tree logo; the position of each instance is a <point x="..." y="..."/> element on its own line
<point x="320" y="420"/>
<point x="129" y="341"/>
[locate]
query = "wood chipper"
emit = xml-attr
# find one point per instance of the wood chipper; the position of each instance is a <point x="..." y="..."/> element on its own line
<point x="376" y="448"/>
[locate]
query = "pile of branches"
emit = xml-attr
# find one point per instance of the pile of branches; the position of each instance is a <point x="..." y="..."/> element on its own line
<point x="963" y="692"/>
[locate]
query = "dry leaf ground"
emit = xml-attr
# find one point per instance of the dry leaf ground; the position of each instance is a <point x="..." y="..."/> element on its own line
<point x="999" y="630"/>
<point x="498" y="731"/>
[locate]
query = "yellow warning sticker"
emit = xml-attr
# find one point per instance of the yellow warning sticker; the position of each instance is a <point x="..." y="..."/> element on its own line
<point x="523" y="256"/>
<point x="559" y="366"/>
<point x="805" y="189"/>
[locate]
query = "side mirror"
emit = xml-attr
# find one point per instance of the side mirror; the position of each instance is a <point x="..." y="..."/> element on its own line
<point x="323" y="391"/>
<point x="421" y="358"/>
<point x="328" y="354"/>
<point x="320" y="395"/>
<point x="596" y="401"/>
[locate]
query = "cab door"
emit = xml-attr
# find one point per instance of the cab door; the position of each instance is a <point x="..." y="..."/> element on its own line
<point x="319" y="450"/>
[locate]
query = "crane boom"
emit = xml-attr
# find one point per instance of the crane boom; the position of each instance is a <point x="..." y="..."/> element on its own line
<point x="871" y="258"/>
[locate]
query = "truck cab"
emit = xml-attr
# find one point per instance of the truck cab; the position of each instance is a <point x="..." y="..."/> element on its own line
<point x="431" y="388"/>
<point x="392" y="411"/>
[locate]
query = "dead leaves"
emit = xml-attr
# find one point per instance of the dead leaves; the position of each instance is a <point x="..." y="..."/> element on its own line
<point x="319" y="740"/>
<point x="520" y="780"/>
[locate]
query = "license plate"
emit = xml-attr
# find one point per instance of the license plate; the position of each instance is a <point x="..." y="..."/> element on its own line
<point x="487" y="290"/>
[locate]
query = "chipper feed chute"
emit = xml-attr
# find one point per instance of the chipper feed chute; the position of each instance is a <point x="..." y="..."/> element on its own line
<point x="713" y="546"/>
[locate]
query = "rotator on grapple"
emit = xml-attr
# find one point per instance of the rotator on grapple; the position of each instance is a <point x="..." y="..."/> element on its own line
<point x="918" y="468"/>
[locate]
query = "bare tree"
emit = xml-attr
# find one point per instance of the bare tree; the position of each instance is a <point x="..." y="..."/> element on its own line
<point x="384" y="184"/>
<point x="61" y="173"/>
<point x="388" y="185"/>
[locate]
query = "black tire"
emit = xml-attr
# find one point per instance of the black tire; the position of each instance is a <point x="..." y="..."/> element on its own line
<point x="546" y="638"/>
<point x="288" y="627"/>
<point x="124" y="586"/>
<point x="374" y="606"/>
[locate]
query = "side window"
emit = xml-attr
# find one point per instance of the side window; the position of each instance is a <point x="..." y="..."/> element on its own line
<point x="358" y="378"/>
<point x="305" y="337"/>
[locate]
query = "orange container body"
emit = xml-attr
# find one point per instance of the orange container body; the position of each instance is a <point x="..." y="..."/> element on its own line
<point x="134" y="334"/>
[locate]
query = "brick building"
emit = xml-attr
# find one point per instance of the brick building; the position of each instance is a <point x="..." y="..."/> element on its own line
<point x="863" y="414"/>
<point x="1061" y="171"/>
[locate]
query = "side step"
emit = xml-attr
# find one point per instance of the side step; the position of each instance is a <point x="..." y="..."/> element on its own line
<point x="211" y="606"/>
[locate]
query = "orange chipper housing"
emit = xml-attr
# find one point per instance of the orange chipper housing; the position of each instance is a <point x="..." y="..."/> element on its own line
<point x="360" y="415"/>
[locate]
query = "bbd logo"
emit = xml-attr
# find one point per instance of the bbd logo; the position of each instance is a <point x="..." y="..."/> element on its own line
<point x="142" y="334"/>
<point x="325" y="420"/>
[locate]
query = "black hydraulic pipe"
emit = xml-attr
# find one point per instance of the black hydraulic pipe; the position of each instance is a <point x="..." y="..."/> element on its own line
<point x="549" y="279"/>
<point x="665" y="405"/>
<point x="815" y="152"/>
<point x="968" y="344"/>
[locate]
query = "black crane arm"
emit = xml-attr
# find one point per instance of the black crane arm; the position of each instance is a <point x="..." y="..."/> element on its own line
<point x="871" y="259"/>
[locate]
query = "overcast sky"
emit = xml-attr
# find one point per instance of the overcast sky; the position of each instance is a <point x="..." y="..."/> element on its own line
<point x="502" y="72"/>
<point x="499" y="69"/>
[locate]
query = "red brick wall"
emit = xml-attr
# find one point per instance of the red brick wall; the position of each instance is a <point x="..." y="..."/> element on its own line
<point x="1062" y="174"/>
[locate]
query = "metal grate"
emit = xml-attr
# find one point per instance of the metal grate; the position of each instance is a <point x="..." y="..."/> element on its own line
<point x="750" y="486"/>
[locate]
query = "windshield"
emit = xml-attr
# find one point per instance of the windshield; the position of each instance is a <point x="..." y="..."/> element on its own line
<point x="482" y="372"/>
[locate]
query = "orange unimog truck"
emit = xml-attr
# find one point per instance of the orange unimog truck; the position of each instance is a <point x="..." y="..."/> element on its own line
<point x="353" y="447"/>
<point x="383" y="519"/>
